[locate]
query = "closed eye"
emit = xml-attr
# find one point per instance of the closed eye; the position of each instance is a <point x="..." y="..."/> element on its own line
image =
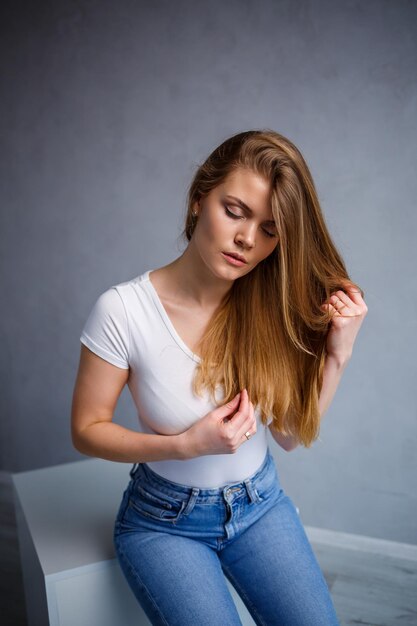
<point x="233" y="215"/>
<point x="238" y="217"/>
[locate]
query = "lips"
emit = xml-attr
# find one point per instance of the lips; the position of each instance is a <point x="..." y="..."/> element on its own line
<point x="235" y="255"/>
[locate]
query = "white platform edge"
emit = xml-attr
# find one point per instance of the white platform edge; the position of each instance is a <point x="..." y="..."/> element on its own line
<point x="81" y="570"/>
<point x="332" y="538"/>
<point x="53" y="578"/>
<point x="351" y="541"/>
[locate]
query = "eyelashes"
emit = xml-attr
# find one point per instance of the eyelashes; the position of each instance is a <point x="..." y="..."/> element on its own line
<point x="269" y="234"/>
<point x="238" y="217"/>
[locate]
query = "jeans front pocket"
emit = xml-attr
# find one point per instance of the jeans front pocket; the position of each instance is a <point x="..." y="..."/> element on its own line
<point x="269" y="485"/>
<point x="149" y="501"/>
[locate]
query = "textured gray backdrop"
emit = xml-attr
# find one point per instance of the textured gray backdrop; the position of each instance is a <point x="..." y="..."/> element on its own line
<point x="107" y="108"/>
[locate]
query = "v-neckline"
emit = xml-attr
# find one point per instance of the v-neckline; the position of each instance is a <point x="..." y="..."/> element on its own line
<point x="167" y="320"/>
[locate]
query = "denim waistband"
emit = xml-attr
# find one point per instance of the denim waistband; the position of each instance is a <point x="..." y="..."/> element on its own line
<point x="212" y="494"/>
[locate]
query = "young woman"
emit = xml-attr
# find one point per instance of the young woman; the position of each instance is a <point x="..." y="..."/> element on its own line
<point x="250" y="328"/>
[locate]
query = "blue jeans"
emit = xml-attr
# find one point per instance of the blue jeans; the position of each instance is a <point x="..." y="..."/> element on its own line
<point x="175" y="544"/>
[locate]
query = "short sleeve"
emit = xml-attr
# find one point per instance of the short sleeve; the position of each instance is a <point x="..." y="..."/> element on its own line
<point x="106" y="330"/>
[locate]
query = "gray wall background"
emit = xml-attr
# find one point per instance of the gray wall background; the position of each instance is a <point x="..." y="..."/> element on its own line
<point x="107" y="108"/>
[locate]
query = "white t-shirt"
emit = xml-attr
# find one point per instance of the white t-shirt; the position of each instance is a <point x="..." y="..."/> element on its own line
<point x="129" y="327"/>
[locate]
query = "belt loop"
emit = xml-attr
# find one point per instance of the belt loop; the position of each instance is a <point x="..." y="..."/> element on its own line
<point x="252" y="493"/>
<point x="191" y="500"/>
<point x="132" y="471"/>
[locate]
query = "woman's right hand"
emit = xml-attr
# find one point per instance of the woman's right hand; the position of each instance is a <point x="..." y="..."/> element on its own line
<point x="220" y="432"/>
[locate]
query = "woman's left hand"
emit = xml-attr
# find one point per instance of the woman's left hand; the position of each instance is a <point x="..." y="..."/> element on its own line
<point x="348" y="312"/>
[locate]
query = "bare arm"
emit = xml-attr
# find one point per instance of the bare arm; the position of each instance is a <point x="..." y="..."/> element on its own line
<point x="97" y="389"/>
<point x="332" y="374"/>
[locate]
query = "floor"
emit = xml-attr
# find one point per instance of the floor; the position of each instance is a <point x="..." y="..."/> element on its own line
<point x="372" y="582"/>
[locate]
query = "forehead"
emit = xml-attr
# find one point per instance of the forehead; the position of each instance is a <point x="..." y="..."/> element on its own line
<point x="251" y="188"/>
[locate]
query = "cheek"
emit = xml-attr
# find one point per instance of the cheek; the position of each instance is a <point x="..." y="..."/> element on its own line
<point x="269" y="248"/>
<point x="214" y="231"/>
<point x="207" y="236"/>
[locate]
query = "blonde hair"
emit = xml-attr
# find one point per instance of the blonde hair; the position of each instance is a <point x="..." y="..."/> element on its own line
<point x="269" y="333"/>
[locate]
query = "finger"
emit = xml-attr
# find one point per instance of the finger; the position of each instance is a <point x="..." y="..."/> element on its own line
<point x="355" y="309"/>
<point x="355" y="294"/>
<point x="240" y="417"/>
<point x="252" y="426"/>
<point x="342" y="303"/>
<point x="331" y="310"/>
<point x="343" y="297"/>
<point x="252" y="413"/>
<point x="248" y="426"/>
<point x="226" y="409"/>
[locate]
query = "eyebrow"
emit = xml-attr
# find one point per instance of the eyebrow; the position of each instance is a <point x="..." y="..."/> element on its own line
<point x="246" y="208"/>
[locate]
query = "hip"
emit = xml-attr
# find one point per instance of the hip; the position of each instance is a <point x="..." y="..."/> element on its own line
<point x="152" y="502"/>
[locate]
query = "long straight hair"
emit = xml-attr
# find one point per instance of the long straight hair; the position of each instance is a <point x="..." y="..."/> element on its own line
<point x="269" y="333"/>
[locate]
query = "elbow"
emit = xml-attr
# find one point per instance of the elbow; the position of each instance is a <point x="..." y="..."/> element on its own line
<point x="286" y="442"/>
<point x="78" y="442"/>
<point x="291" y="448"/>
<point x="288" y="446"/>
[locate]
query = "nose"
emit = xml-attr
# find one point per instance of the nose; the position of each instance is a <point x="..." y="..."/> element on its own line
<point x="246" y="235"/>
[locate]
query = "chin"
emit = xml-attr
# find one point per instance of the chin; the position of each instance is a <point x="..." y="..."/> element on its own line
<point x="238" y="272"/>
<point x="226" y="273"/>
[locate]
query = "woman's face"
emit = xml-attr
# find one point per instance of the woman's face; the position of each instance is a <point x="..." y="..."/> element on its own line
<point x="235" y="217"/>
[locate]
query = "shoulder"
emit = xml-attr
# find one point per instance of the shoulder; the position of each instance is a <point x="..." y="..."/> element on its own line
<point x="117" y="298"/>
<point x="109" y="305"/>
<point x="106" y="331"/>
<point x="121" y="303"/>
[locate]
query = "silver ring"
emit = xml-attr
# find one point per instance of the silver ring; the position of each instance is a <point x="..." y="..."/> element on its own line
<point x="247" y="435"/>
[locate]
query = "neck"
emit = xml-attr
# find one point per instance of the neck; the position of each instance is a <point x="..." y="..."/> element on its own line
<point x="192" y="281"/>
